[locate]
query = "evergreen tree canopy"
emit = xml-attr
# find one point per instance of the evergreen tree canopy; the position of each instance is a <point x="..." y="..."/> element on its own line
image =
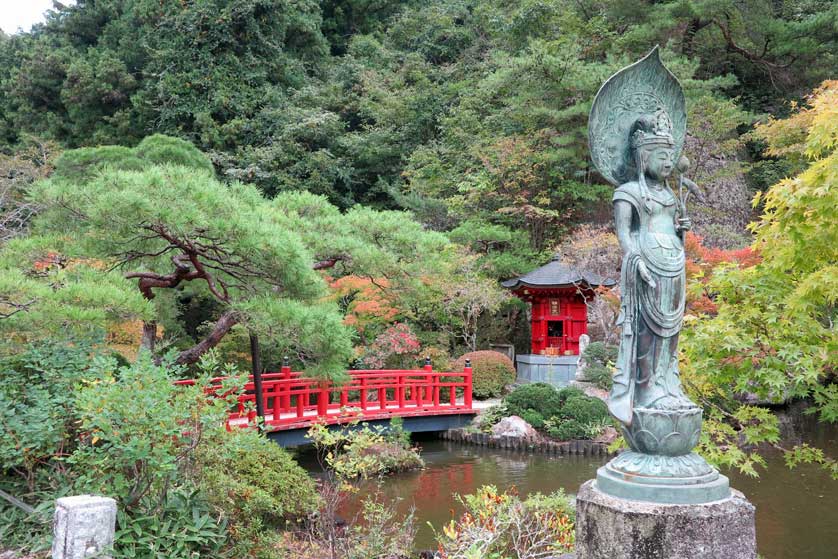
<point x="153" y="220"/>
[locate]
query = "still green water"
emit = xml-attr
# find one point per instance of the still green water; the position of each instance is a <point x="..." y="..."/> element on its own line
<point x="797" y="511"/>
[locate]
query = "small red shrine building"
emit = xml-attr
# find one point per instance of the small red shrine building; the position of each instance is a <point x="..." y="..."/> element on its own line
<point x="557" y="293"/>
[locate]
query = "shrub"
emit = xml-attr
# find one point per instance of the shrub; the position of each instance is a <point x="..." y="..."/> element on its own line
<point x="136" y="428"/>
<point x="128" y="432"/>
<point x="254" y="485"/>
<point x="571" y="413"/>
<point x="566" y="429"/>
<point x="539" y="397"/>
<point x="440" y="358"/>
<point x="490" y="416"/>
<point x="379" y="533"/>
<point x="600" y="375"/>
<point x="375" y="533"/>
<point x="491" y="372"/>
<point x="581" y="417"/>
<point x="182" y="527"/>
<point x="533" y="418"/>
<point x="504" y="525"/>
<point x="353" y="453"/>
<point x="395" y="348"/>
<point x="601" y="353"/>
<point x="600" y="359"/>
<point x="584" y="409"/>
<point x="570" y="392"/>
<point x="37" y="408"/>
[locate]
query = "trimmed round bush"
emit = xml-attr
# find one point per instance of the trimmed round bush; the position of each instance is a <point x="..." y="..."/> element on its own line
<point x="570" y="392"/>
<point x="533" y="418"/>
<point x="491" y="372"/>
<point x="161" y="150"/>
<point x="599" y="375"/>
<point x="572" y="414"/>
<point x="537" y="396"/>
<point x="599" y="353"/>
<point x="584" y="409"/>
<point x="568" y="429"/>
<point x="246" y="476"/>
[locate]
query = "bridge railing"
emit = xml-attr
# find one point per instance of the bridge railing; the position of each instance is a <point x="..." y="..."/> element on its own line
<point x="290" y="398"/>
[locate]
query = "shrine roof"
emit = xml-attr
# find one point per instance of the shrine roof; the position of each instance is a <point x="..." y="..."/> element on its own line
<point x="557" y="274"/>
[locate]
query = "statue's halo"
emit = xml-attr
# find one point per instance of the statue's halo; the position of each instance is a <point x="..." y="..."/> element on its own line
<point x="644" y="87"/>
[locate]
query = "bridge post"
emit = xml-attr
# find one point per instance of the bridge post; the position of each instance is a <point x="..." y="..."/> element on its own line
<point x="416" y="393"/>
<point x="382" y="398"/>
<point x="323" y="400"/>
<point x="467" y="376"/>
<point x="285" y="399"/>
<point x="428" y="380"/>
<point x="400" y="390"/>
<point x="301" y="400"/>
<point x="363" y="392"/>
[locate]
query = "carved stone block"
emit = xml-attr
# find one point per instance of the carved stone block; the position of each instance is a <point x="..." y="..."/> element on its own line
<point x="611" y="528"/>
<point x="83" y="527"/>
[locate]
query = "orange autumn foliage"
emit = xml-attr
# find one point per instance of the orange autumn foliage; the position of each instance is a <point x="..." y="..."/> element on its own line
<point x="367" y="301"/>
<point x="701" y="261"/>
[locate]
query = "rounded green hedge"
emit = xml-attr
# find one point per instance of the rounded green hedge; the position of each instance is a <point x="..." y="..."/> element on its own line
<point x="584" y="409"/>
<point x="491" y="372"/>
<point x="564" y="414"/>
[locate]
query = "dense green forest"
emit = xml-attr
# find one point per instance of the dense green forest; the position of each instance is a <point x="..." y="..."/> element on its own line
<point x="470" y="114"/>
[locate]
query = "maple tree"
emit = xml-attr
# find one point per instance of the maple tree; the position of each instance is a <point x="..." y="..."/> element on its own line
<point x="772" y="328"/>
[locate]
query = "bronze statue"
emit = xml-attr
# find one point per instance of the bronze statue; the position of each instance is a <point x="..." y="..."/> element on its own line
<point x="637" y="128"/>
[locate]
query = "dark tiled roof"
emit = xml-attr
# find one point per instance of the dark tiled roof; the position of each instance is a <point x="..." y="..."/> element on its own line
<point x="556" y="274"/>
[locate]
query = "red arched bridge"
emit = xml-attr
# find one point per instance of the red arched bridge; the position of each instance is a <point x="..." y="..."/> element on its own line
<point x="428" y="400"/>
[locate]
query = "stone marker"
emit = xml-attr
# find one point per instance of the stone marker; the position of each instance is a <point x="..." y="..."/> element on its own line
<point x="581" y="365"/>
<point x="83" y="527"/>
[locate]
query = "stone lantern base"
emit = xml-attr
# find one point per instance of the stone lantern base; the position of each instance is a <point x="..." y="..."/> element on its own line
<point x="613" y="528"/>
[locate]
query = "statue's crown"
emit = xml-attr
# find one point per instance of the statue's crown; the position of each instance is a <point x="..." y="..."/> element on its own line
<point x="652" y="129"/>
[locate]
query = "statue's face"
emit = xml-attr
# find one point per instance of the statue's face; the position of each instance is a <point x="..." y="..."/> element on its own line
<point x="660" y="162"/>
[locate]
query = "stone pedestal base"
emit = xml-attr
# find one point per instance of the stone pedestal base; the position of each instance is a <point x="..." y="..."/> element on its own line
<point x="612" y="528"/>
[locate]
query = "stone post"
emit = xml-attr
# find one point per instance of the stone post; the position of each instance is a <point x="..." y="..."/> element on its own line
<point x="83" y="527"/>
<point x="584" y="340"/>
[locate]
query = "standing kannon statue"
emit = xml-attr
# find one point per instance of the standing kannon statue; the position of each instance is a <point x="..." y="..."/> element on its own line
<point x="637" y="127"/>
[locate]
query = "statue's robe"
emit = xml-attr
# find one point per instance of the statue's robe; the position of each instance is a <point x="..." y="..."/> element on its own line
<point x="647" y="363"/>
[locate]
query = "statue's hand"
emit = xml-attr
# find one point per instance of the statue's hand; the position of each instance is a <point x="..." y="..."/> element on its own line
<point x="684" y="224"/>
<point x="644" y="273"/>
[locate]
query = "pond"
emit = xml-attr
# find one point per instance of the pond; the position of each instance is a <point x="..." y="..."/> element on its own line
<point x="797" y="511"/>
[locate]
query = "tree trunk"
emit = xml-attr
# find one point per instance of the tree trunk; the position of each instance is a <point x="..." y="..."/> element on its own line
<point x="222" y="326"/>
<point x="149" y="335"/>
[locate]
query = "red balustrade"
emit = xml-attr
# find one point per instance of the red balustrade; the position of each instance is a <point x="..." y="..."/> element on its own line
<point x="292" y="400"/>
